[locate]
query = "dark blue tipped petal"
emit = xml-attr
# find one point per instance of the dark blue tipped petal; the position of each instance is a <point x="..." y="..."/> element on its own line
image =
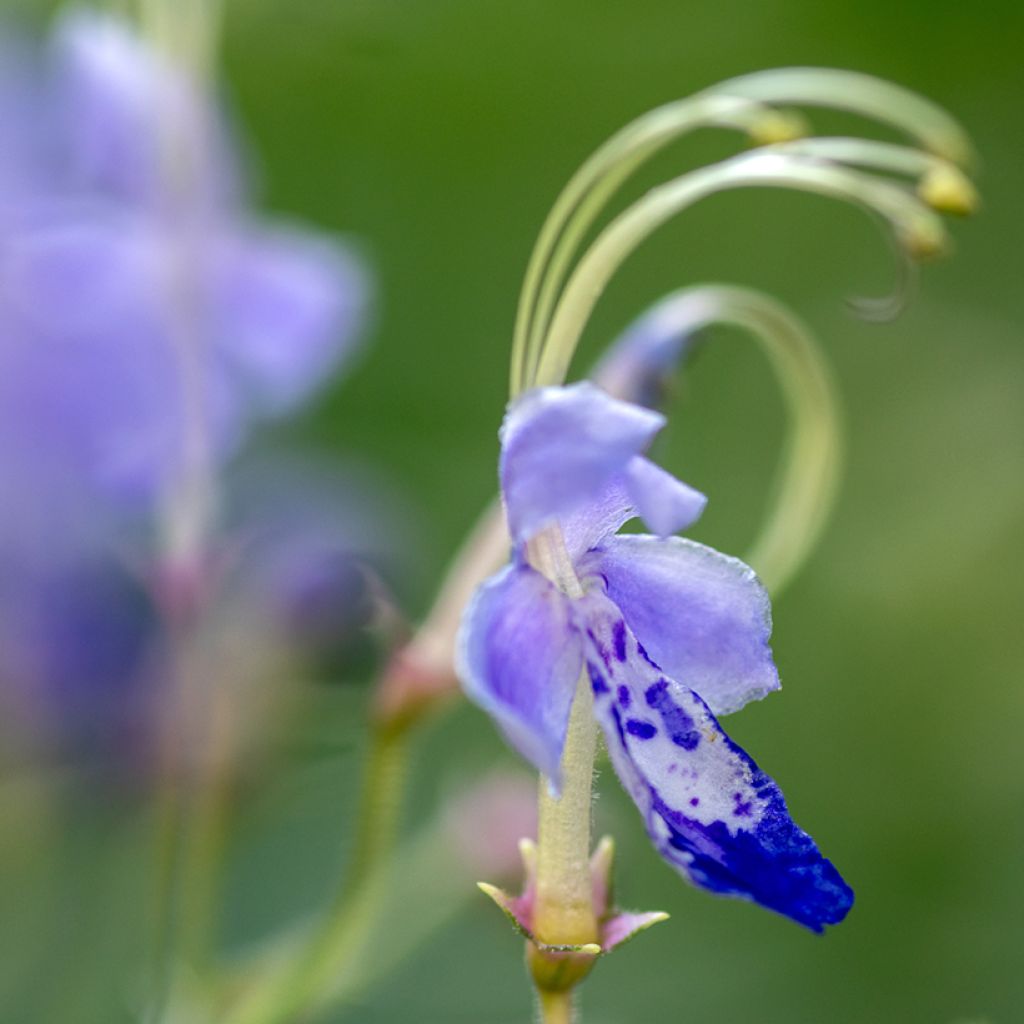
<point x="519" y="657"/>
<point x="709" y="810"/>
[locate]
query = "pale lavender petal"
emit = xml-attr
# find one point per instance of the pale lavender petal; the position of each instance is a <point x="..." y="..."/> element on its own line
<point x="519" y="657"/>
<point x="643" y="489"/>
<point x="703" y="617"/>
<point x="709" y="810"/>
<point x="289" y="306"/>
<point x="90" y="378"/>
<point x="592" y="523"/>
<point x="560" y="449"/>
<point x="638" y="365"/>
<point x="119" y="103"/>
<point x="665" y="504"/>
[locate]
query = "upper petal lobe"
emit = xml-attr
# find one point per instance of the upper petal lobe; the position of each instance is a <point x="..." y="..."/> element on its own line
<point x="560" y="449"/>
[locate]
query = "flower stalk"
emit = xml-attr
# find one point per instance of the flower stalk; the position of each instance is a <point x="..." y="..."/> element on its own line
<point x="307" y="977"/>
<point x="564" y="912"/>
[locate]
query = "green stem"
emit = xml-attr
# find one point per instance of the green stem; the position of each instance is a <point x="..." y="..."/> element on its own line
<point x="556" y="1007"/>
<point x="308" y="978"/>
<point x="564" y="909"/>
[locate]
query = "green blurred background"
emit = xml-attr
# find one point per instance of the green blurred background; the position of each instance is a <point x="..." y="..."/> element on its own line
<point x="437" y="133"/>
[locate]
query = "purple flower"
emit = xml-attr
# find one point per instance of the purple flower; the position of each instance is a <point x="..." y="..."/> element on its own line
<point x="140" y="303"/>
<point x="671" y="634"/>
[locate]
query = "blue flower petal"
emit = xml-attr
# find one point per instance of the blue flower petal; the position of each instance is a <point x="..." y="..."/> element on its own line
<point x="702" y="616"/>
<point x="638" y="365"/>
<point x="519" y="657"/>
<point x="591" y="523"/>
<point x="561" y="447"/>
<point x="288" y="308"/>
<point x="116" y="100"/>
<point x="665" y="504"/>
<point x="709" y="810"/>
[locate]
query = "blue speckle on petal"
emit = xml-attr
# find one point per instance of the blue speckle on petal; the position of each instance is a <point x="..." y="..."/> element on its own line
<point x="619" y="638"/>
<point x="597" y="681"/>
<point x="601" y="649"/>
<point x="641" y="730"/>
<point x="679" y="724"/>
<point x="743" y="808"/>
<point x="625" y="697"/>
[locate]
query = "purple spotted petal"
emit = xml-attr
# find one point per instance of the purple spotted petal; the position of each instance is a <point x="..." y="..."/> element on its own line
<point x="560" y="449"/>
<point x="708" y="809"/>
<point x="702" y="616"/>
<point x="519" y="658"/>
<point x="665" y="504"/>
<point x="288" y="309"/>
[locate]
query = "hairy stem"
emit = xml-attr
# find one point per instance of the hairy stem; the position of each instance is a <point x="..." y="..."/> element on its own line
<point x="556" y="1008"/>
<point x="564" y="912"/>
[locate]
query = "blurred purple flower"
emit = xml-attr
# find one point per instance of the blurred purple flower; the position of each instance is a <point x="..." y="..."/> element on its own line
<point x="671" y="633"/>
<point x="141" y="304"/>
<point x="137" y="296"/>
<point x="314" y="550"/>
<point x="77" y="636"/>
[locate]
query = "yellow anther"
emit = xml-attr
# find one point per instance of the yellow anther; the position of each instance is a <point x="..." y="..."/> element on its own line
<point x="925" y="239"/>
<point x="774" y="126"/>
<point x="946" y="190"/>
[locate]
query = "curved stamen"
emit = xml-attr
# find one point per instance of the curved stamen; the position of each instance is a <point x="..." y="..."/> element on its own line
<point x="746" y="103"/>
<point x="856" y="93"/>
<point x="809" y="470"/>
<point x="587" y="192"/>
<point x="940" y="182"/>
<point x="880" y="309"/>
<point x="916" y="227"/>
